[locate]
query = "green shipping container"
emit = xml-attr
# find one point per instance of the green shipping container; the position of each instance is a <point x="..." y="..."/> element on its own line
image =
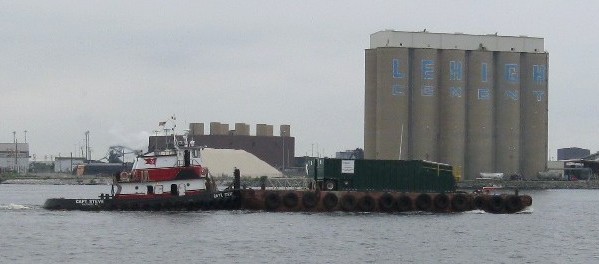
<point x="381" y="175"/>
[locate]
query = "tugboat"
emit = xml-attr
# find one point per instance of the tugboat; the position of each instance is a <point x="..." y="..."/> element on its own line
<point x="171" y="179"/>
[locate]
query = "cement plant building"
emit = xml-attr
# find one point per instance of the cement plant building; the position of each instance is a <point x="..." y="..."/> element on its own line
<point x="477" y="102"/>
<point x="277" y="151"/>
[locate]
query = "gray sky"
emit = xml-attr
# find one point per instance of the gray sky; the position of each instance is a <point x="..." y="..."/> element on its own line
<point x="117" y="68"/>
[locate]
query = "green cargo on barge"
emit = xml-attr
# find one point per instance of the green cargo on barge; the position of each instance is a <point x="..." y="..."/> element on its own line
<point x="381" y="175"/>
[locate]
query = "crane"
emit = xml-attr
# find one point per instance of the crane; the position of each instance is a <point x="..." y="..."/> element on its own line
<point x="116" y="153"/>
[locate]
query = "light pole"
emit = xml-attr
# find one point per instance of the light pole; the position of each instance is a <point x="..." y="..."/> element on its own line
<point x="14" y="138"/>
<point x="87" y="146"/>
<point x="284" y="133"/>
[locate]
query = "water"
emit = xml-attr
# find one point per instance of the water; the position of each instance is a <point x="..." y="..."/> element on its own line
<point x="561" y="227"/>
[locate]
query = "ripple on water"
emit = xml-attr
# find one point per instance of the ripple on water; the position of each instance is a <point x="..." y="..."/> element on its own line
<point x="13" y="206"/>
<point x="560" y="229"/>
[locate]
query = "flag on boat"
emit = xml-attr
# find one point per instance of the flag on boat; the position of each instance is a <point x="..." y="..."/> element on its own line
<point x="150" y="161"/>
<point x="161" y="123"/>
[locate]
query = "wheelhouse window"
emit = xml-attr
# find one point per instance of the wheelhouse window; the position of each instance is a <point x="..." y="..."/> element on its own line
<point x="174" y="190"/>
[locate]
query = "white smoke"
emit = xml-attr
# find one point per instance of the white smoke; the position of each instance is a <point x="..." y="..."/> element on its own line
<point x="133" y="140"/>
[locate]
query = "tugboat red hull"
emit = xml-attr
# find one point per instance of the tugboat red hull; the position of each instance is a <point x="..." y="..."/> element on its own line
<point x="200" y="201"/>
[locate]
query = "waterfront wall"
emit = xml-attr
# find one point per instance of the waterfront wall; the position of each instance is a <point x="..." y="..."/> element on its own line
<point x="529" y="185"/>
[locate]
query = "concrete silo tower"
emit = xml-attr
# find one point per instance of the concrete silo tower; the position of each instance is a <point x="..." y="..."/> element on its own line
<point x="477" y="102"/>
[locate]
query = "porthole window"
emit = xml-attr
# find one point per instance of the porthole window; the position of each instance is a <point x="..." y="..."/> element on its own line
<point x="188" y="184"/>
<point x="136" y="187"/>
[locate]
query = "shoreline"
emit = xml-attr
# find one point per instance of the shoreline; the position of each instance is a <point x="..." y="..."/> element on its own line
<point x="68" y="179"/>
<point x="528" y="184"/>
<point x="57" y="179"/>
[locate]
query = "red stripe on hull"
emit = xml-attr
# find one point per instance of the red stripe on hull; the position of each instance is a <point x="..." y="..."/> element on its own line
<point x="164" y="174"/>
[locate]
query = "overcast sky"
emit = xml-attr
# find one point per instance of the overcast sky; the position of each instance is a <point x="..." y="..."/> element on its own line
<point x="117" y="68"/>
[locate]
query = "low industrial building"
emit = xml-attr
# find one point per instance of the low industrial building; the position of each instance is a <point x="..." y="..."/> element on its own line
<point x="14" y="157"/>
<point x="66" y="164"/>
<point x="572" y="153"/>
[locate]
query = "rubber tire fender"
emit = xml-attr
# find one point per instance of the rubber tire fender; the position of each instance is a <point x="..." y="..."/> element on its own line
<point x="496" y="204"/>
<point x="513" y="204"/>
<point x="386" y="202"/>
<point x="480" y="203"/>
<point x="272" y="201"/>
<point x="329" y="201"/>
<point x="404" y="203"/>
<point x="348" y="202"/>
<point x="366" y="203"/>
<point x="309" y="200"/>
<point x="290" y="200"/>
<point x="424" y="202"/>
<point x="441" y="202"/>
<point x="460" y="202"/>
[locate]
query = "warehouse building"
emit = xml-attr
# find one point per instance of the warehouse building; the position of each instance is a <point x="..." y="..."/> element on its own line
<point x="572" y="153"/>
<point x="14" y="157"/>
<point x="477" y="102"/>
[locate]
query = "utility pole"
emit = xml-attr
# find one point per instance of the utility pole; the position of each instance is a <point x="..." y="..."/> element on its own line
<point x="14" y="138"/>
<point x="285" y="158"/>
<point x="284" y="133"/>
<point x="87" y="146"/>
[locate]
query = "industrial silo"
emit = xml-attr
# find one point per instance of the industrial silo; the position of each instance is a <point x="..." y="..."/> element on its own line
<point x="242" y="129"/>
<point x="196" y="129"/>
<point x="452" y="107"/>
<point x="215" y="128"/>
<point x="480" y="148"/>
<point x="424" y="121"/>
<point x="534" y="114"/>
<point x="285" y="130"/>
<point x="507" y="112"/>
<point x="484" y="121"/>
<point x="393" y="102"/>
<point x="370" y="99"/>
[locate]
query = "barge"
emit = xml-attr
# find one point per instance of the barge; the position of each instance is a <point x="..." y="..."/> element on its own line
<point x="177" y="179"/>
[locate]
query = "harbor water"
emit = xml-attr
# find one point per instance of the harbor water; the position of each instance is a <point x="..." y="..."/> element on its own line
<point x="560" y="227"/>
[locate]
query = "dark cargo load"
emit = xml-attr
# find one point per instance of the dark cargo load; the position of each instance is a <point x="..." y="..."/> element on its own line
<point x="381" y="175"/>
